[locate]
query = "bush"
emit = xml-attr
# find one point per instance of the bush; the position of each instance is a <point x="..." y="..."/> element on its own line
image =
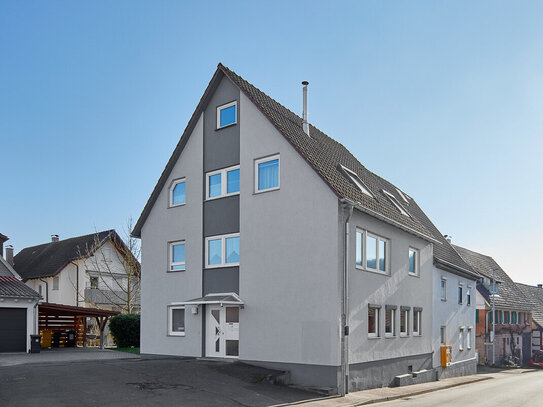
<point x="125" y="329"/>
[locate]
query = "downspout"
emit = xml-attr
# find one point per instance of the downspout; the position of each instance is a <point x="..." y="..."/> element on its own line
<point x="46" y="289"/>
<point x="344" y="386"/>
<point x="76" y="283"/>
<point x="36" y="331"/>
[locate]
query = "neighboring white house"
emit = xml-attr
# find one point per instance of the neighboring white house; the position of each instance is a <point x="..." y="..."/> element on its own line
<point x="86" y="271"/>
<point x="18" y="313"/>
<point x="267" y="241"/>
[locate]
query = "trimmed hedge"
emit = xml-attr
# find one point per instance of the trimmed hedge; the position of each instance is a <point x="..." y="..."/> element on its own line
<point x="125" y="329"/>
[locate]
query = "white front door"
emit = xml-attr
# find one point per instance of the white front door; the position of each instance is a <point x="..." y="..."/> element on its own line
<point x="222" y="331"/>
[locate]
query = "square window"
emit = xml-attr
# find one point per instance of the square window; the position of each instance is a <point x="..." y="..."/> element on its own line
<point x="177" y="256"/>
<point x="176" y="326"/>
<point x="224" y="182"/>
<point x="178" y="192"/>
<point x="227" y="115"/>
<point x="373" y="322"/>
<point x="267" y="174"/>
<point x="390" y="316"/>
<point x="413" y="262"/>
<point x="222" y="251"/>
<point x="376" y="253"/>
<point x="232" y="315"/>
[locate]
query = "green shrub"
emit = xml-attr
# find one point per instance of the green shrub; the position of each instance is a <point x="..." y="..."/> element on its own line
<point x="125" y="329"/>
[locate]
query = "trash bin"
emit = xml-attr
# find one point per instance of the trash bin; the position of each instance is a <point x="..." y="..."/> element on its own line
<point x="35" y="345"/>
<point x="55" y="343"/>
<point x="70" y="341"/>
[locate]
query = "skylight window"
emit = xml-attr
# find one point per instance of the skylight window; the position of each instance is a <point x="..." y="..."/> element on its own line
<point x="353" y="176"/>
<point x="404" y="197"/>
<point x="396" y="203"/>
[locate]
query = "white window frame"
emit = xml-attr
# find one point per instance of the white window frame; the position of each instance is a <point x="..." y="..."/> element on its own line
<point x="171" y="263"/>
<point x="417" y="262"/>
<point x="443" y="289"/>
<point x="396" y="203"/>
<point x="225" y="106"/>
<point x="170" y="320"/>
<point x="56" y="283"/>
<point x="468" y="296"/>
<point x="174" y="183"/>
<point x="443" y="335"/>
<point x="461" y="339"/>
<point x="402" y="195"/>
<point x="353" y="176"/>
<point x="365" y="234"/>
<point x="468" y="339"/>
<point x="224" y="182"/>
<point x="419" y="331"/>
<point x="391" y="334"/>
<point x="404" y="334"/>
<point x="377" y="322"/>
<point x="263" y="160"/>
<point x="460" y="294"/>
<point x="223" y="251"/>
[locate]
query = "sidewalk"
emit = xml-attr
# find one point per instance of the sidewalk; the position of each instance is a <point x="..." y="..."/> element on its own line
<point x="364" y="397"/>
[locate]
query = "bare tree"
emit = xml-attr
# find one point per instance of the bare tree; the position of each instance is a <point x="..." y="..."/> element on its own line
<point x="113" y="282"/>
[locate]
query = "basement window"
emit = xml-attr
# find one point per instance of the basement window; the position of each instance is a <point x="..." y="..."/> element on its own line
<point x="390" y="320"/>
<point x="396" y="203"/>
<point x="373" y="322"/>
<point x="355" y="179"/>
<point x="227" y="115"/>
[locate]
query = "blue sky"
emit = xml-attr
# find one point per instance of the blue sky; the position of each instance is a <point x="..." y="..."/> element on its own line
<point x="441" y="98"/>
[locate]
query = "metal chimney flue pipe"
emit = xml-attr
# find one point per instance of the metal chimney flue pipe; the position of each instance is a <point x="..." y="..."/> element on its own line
<point x="305" y="123"/>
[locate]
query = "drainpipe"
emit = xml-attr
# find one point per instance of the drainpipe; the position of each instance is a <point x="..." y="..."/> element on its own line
<point x="344" y="383"/>
<point x="46" y="289"/>
<point x="36" y="330"/>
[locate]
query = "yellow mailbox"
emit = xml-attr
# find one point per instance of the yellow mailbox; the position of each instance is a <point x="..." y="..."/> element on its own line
<point x="446" y="356"/>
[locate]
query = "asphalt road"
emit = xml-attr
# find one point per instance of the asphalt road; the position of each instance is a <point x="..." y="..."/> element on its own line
<point x="145" y="382"/>
<point x="508" y="388"/>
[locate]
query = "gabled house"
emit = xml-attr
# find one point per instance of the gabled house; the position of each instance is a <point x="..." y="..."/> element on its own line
<point x="18" y="314"/>
<point x="84" y="275"/>
<point x="513" y="312"/>
<point x="535" y="296"/>
<point x="267" y="241"/>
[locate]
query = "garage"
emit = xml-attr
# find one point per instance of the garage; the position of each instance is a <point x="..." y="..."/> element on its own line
<point x="13" y="330"/>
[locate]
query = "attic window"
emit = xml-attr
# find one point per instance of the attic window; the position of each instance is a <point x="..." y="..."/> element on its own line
<point x="404" y="197"/>
<point x="227" y="115"/>
<point x="353" y="176"/>
<point x="396" y="203"/>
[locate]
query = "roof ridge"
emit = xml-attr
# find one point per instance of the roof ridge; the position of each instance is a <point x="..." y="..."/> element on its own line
<point x="68" y="239"/>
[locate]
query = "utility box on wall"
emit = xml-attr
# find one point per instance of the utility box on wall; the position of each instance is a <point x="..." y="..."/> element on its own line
<point x="446" y="356"/>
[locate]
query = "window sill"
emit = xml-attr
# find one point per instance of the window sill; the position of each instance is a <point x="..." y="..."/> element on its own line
<point x="176" y="271"/>
<point x="404" y="335"/>
<point x="374" y="337"/>
<point x="176" y="206"/>
<point x="443" y="300"/>
<point x="266" y="190"/>
<point x="413" y="274"/>
<point x="225" y="126"/>
<point x="383" y="273"/>
<point x="390" y="336"/>
<point x="176" y="334"/>
<point x="221" y="196"/>
<point x="219" y="266"/>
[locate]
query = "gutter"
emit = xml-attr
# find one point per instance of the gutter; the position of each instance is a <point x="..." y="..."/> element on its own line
<point x="457" y="268"/>
<point x="344" y="381"/>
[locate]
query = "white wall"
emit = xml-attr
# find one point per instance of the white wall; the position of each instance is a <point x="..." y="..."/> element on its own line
<point x="289" y="273"/>
<point x="160" y="287"/>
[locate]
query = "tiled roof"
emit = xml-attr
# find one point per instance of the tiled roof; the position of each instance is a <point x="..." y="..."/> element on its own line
<point x="13" y="287"/>
<point x="535" y="295"/>
<point x="510" y="296"/>
<point x="325" y="156"/>
<point x="48" y="259"/>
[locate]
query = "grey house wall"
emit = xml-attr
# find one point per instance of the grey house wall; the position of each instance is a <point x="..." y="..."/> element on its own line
<point x="289" y="267"/>
<point x="375" y="361"/>
<point x="453" y="316"/>
<point x="159" y="288"/>
<point x="221" y="216"/>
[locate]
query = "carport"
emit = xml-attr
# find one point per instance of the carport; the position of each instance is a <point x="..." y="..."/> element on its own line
<point x="64" y="318"/>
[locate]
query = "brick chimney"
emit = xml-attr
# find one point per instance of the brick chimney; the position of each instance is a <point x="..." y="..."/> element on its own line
<point x="9" y="254"/>
<point x="54" y="238"/>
